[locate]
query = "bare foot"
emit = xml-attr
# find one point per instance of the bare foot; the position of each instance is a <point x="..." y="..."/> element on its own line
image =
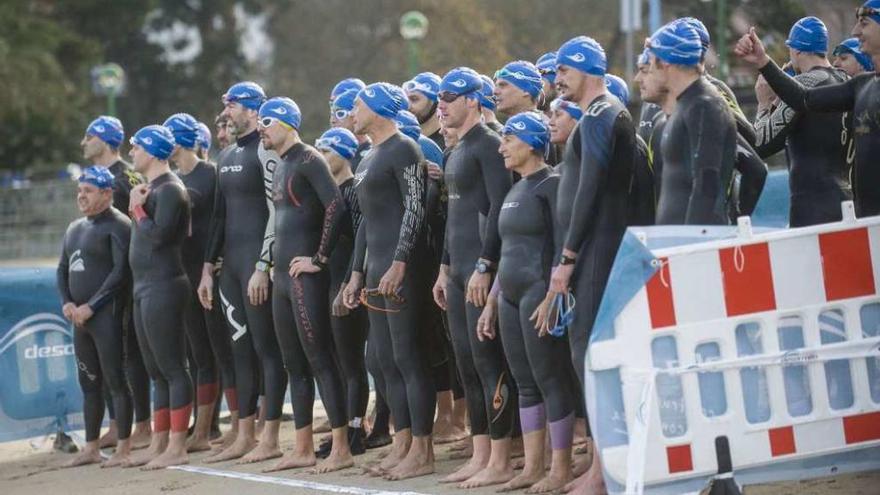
<point x="334" y="462"/>
<point x="373" y="470"/>
<point x="226" y="440"/>
<point x="411" y="467"/>
<point x="489" y="476"/>
<point x="263" y="452"/>
<point x="116" y="460"/>
<point x="587" y="484"/>
<point x="168" y="458"/>
<point x="463" y="444"/>
<point x="144" y="456"/>
<point x="466" y="471"/>
<point x="140" y="438"/>
<point x="293" y="460"/>
<point x="581" y="465"/>
<point x="394" y="458"/>
<point x="109" y="439"/>
<point x="522" y="480"/>
<point x="84" y="458"/>
<point x="465" y="453"/>
<point x="241" y="447"/>
<point x="550" y="483"/>
<point x="446" y="432"/>
<point x="322" y="427"/>
<point x="197" y="444"/>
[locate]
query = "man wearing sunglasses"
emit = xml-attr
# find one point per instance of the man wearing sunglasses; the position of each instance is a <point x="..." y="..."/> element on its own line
<point x="477" y="182"/>
<point x="859" y="96"/>
<point x="340" y="116"/>
<point x="518" y="86"/>
<point x="546" y="65"/>
<point x="243" y="233"/>
<point x="421" y="92"/>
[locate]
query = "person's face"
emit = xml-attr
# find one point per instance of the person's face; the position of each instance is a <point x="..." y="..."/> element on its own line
<point x="340" y="117"/>
<point x="92" y="200"/>
<point x="92" y="147"/>
<point x="238" y="117"/>
<point x="334" y="161"/>
<point x="868" y="33"/>
<point x="561" y="125"/>
<point x="453" y="113"/>
<point x="419" y="105"/>
<point x="653" y="82"/>
<point x="509" y="98"/>
<point x="362" y="117"/>
<point x="549" y="90"/>
<point x="570" y="83"/>
<point x="222" y="134"/>
<point x="273" y="135"/>
<point x="140" y="159"/>
<point x="514" y="151"/>
<point x="847" y="62"/>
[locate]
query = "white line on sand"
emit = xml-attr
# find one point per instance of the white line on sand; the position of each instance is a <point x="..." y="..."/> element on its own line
<point x="259" y="478"/>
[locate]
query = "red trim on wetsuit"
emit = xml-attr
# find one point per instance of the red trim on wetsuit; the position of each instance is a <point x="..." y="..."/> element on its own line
<point x="231" y="398"/>
<point x="139" y="213"/>
<point x="293" y="198"/>
<point x="206" y="393"/>
<point x="180" y="418"/>
<point x="161" y="420"/>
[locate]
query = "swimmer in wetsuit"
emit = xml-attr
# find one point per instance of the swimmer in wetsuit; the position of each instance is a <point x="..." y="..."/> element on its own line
<point x="487" y="102"/>
<point x="477" y="182"/>
<point x="391" y="185"/>
<point x="92" y="278"/>
<point x="340" y="116"/>
<point x="816" y="156"/>
<point x="100" y="146"/>
<point x="161" y="220"/>
<point x="421" y="93"/>
<point x="546" y="65"/>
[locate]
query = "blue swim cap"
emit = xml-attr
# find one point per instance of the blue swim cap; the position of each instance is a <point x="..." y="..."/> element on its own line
<point x="283" y="109"/>
<point x="618" y="88"/>
<point x="249" y="94"/>
<point x="185" y="129"/>
<point x="430" y="150"/>
<point x="644" y="57"/>
<point x="677" y="43"/>
<point x="345" y="85"/>
<point x="108" y="129"/>
<point x="584" y="54"/>
<point x="487" y="94"/>
<point x="522" y="74"/>
<point x="530" y="128"/>
<point x="462" y="81"/>
<point x="569" y="107"/>
<point x="426" y="83"/>
<point x="385" y="99"/>
<point x="345" y="100"/>
<point x="408" y="124"/>
<point x="851" y="46"/>
<point x="97" y="176"/>
<point x="871" y="10"/>
<point x="547" y="66"/>
<point x="204" y="140"/>
<point x="156" y="140"/>
<point x="701" y="30"/>
<point x="808" y="35"/>
<point x="339" y="140"/>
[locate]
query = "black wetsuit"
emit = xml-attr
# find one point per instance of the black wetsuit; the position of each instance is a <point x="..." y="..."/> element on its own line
<point x="592" y="207"/>
<point x="816" y="156"/>
<point x="699" y="150"/>
<point x="438" y="139"/>
<point x="642" y="205"/>
<point x="239" y="235"/>
<point x="359" y="154"/>
<point x="477" y="181"/>
<point x="309" y="211"/>
<point x="529" y="246"/>
<point x="210" y="345"/>
<point x="93" y="270"/>
<point x="649" y="115"/>
<point x="391" y="185"/>
<point x="161" y="293"/>
<point x="495" y="127"/>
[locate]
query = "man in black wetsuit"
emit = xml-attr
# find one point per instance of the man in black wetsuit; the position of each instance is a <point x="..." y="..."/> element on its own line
<point x="100" y="146"/>
<point x="243" y="232"/>
<point x="477" y="182"/>
<point x="546" y="65"/>
<point x="309" y="211"/>
<point x="209" y="343"/>
<point x="859" y="96"/>
<point x="340" y="116"/>
<point x="850" y="58"/>
<point x="593" y="193"/>
<point x="652" y="118"/>
<point x="391" y="185"/>
<point x="518" y="86"/>
<point x="92" y="279"/>
<point x="421" y="92"/>
<point x="816" y="156"/>
<point x="160" y="210"/>
<point x="223" y="137"/>
<point x="699" y="138"/>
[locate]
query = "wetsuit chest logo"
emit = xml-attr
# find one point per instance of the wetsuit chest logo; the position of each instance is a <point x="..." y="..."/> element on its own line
<point x="359" y="176"/>
<point x="231" y="168"/>
<point x="597" y="108"/>
<point x="76" y="262"/>
<point x="512" y="204"/>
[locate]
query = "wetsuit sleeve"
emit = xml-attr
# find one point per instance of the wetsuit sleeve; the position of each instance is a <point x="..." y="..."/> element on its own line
<point x="832" y="98"/>
<point x="743" y="127"/>
<point x="318" y="175"/>
<point x="412" y="184"/>
<point x="268" y="161"/>
<point x="774" y="125"/>
<point x="162" y="227"/>
<point x="707" y="160"/>
<point x="359" y="257"/>
<point x="497" y="181"/>
<point x="63" y="272"/>
<point x="753" y="174"/>
<point x="597" y="142"/>
<point x="115" y="280"/>
<point x="217" y="227"/>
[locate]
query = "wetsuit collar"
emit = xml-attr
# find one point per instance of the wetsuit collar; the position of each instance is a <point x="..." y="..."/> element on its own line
<point x="473" y="131"/>
<point x="539" y="174"/>
<point x="247" y="138"/>
<point x="103" y="214"/>
<point x="692" y="88"/>
<point x="292" y="150"/>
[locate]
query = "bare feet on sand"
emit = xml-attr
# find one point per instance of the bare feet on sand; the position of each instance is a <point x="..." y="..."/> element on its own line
<point x="492" y="475"/>
<point x="87" y="456"/>
<point x="294" y="459"/>
<point x="240" y="447"/>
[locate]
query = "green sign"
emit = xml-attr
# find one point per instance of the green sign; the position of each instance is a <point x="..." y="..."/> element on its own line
<point x="413" y="25"/>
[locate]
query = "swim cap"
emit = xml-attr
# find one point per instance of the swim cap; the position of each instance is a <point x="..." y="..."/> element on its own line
<point x="871" y="10"/>
<point x="385" y="99"/>
<point x="851" y="45"/>
<point x="547" y="66"/>
<point x="530" y="128"/>
<point x="487" y="94"/>
<point x="108" y="129"/>
<point x="97" y="176"/>
<point x="701" y="30"/>
<point x="345" y="85"/>
<point x="524" y="75"/>
<point x="339" y="140"/>
<point x="426" y="83"/>
<point x="808" y="35"/>
<point x="204" y="140"/>
<point x="618" y="88"/>
<point x="462" y="81"/>
<point x="345" y="100"/>
<point x="185" y="129"/>
<point x="408" y="124"/>
<point x="569" y="107"/>
<point x="677" y="43"/>
<point x="430" y="150"/>
<point x="249" y="94"/>
<point x="156" y="140"/>
<point x="283" y="109"/>
<point x="584" y="54"/>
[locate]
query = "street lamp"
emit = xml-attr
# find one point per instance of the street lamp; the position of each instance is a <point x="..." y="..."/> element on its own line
<point x="413" y="27"/>
<point x="108" y="80"/>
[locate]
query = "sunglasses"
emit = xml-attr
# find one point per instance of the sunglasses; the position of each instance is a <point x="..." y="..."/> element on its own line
<point x="367" y="293"/>
<point x="449" y="96"/>
<point x="867" y="12"/>
<point x="547" y="70"/>
<point x="268" y="121"/>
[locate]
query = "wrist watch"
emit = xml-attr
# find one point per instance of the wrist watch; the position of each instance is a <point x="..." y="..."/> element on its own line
<point x="316" y="260"/>
<point x="484" y="267"/>
<point x="565" y="260"/>
<point x="262" y="266"/>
